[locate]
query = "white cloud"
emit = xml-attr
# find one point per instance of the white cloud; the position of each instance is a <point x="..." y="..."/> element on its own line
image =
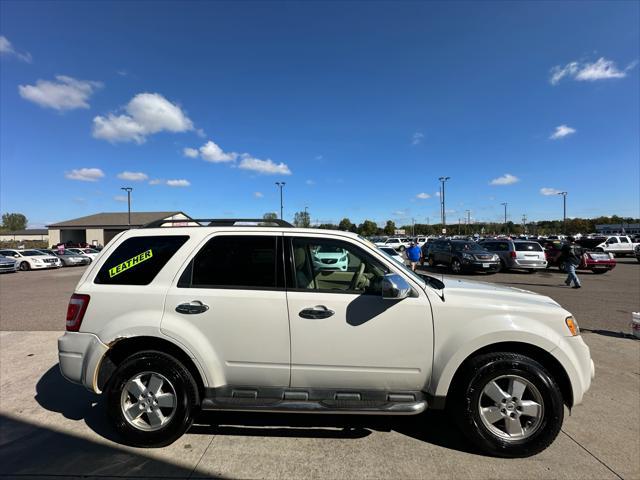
<point x="417" y="138"/>
<point x="85" y="174"/>
<point x="6" y="48"/>
<point x="133" y="176"/>
<point x="437" y="194"/>
<point x="549" y="191"/>
<point x="120" y="198"/>
<point x="319" y="157"/>
<point x="258" y="194"/>
<point x="506" y="179"/>
<point x="146" y="114"/>
<point x="156" y="181"/>
<point x="561" y="132"/>
<point x="310" y="182"/>
<point x="190" y="152"/>
<point x="178" y="183"/>
<point x="423" y="196"/>
<point x="211" y="152"/>
<point x="601" y="69"/>
<point x="65" y="93"/>
<point x="267" y="167"/>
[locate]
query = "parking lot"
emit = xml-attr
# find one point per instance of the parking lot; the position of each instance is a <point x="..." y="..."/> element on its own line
<point x="50" y="427"/>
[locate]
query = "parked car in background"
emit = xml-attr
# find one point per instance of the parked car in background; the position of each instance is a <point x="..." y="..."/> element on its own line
<point x="70" y="259"/>
<point x="330" y="257"/>
<point x="596" y="261"/>
<point x="8" y="264"/>
<point x="88" y="252"/>
<point x="517" y="254"/>
<point x="637" y="252"/>
<point x="393" y="254"/>
<point x="396" y="243"/>
<point x="618" y="245"/>
<point x="462" y="255"/>
<point x="32" y="259"/>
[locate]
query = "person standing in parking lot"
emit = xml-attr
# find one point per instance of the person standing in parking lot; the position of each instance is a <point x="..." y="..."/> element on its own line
<point x="413" y="254"/>
<point x="570" y="262"/>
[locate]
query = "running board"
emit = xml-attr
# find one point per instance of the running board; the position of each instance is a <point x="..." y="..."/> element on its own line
<point x="313" y="406"/>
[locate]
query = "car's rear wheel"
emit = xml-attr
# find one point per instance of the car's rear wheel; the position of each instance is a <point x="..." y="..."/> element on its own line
<point x="456" y="266"/>
<point x="152" y="399"/>
<point x="24" y="266"/>
<point x="507" y="404"/>
<point x="431" y="261"/>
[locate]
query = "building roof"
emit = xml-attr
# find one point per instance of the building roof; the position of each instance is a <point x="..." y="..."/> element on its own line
<point x="114" y="220"/>
<point x="29" y="231"/>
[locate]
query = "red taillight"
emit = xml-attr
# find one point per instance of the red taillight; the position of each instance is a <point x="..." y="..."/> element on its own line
<point x="75" y="311"/>
<point x="513" y="254"/>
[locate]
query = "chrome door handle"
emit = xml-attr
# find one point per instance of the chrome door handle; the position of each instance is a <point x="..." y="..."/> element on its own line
<point x="317" y="312"/>
<point x="193" y="307"/>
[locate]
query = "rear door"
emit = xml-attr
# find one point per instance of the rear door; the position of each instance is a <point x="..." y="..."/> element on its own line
<point x="230" y="304"/>
<point x="343" y="333"/>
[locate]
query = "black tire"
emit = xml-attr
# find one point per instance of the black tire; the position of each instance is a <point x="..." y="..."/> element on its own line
<point x="186" y="396"/>
<point x="24" y="266"/>
<point x="561" y="268"/>
<point x="402" y="249"/>
<point x="431" y="261"/>
<point x="456" y="266"/>
<point x="599" y="271"/>
<point x="464" y="405"/>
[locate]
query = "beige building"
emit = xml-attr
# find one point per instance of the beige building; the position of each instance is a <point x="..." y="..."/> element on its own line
<point x="100" y="228"/>
<point x="33" y="234"/>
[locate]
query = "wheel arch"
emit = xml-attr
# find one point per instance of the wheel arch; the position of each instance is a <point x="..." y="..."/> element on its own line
<point x="125" y="347"/>
<point x="540" y="355"/>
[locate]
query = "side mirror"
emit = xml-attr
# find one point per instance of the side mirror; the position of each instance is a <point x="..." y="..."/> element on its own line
<point x="394" y="287"/>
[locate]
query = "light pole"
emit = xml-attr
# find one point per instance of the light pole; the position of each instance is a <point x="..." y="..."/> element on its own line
<point x="413" y="227"/>
<point x="504" y="204"/>
<point x="128" y="190"/>
<point x="564" y="212"/>
<point x="281" y="186"/>
<point x="468" y="220"/>
<point x="443" y="214"/>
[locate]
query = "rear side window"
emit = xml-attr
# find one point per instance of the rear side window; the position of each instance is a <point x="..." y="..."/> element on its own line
<point x="137" y="261"/>
<point x="244" y="262"/>
<point x="528" y="247"/>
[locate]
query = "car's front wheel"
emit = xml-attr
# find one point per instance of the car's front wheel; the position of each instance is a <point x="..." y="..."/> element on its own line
<point x="152" y="399"/>
<point x="456" y="266"/>
<point x="508" y="405"/>
<point x="24" y="266"/>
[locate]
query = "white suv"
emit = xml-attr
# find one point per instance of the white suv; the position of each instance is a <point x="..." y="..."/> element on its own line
<point x="170" y="321"/>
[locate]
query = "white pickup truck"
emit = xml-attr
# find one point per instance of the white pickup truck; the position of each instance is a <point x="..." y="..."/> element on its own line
<point x="618" y="245"/>
<point x="398" y="244"/>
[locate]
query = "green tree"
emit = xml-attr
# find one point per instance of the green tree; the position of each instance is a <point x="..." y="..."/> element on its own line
<point x="302" y="219"/>
<point x="14" y="221"/>
<point x="345" y="224"/>
<point x="390" y="228"/>
<point x="368" y="228"/>
<point x="270" y="216"/>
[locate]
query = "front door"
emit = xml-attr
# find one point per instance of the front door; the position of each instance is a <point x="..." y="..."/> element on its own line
<point x="230" y="305"/>
<point x="343" y="333"/>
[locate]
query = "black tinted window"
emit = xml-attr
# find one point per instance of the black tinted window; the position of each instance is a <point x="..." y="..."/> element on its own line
<point x="235" y="262"/>
<point x="528" y="247"/>
<point x="138" y="260"/>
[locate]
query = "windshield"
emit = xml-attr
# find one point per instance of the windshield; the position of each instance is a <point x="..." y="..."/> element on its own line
<point x="321" y="249"/>
<point x="462" y="246"/>
<point x="32" y="253"/>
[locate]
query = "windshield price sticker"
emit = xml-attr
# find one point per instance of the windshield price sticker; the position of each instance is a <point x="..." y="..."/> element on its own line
<point x="132" y="262"/>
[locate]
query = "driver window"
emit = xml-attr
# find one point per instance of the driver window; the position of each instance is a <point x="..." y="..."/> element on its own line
<point x="612" y="240"/>
<point x="335" y="266"/>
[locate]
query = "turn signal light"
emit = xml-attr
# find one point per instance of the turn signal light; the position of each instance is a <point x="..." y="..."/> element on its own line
<point x="572" y="325"/>
<point x="75" y="311"/>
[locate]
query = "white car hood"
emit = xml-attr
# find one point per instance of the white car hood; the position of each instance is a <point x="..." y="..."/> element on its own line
<point x="496" y="294"/>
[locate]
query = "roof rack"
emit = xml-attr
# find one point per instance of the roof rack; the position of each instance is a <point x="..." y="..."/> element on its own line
<point x="220" y="222"/>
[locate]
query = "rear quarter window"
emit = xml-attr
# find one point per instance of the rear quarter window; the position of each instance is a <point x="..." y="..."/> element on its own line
<point x="138" y="260"/>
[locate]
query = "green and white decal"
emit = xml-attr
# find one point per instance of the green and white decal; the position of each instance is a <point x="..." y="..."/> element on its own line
<point x="132" y="262"/>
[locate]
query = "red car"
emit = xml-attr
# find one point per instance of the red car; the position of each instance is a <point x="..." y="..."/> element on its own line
<point x="597" y="262"/>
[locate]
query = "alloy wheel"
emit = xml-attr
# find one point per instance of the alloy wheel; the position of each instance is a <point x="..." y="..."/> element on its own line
<point x="511" y="407"/>
<point x="148" y="401"/>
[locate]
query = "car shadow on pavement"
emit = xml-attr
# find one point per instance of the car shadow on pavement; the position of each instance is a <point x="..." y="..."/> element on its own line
<point x="28" y="450"/>
<point x="55" y="394"/>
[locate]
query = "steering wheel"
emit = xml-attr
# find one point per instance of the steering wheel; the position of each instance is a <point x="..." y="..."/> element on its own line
<point x="357" y="277"/>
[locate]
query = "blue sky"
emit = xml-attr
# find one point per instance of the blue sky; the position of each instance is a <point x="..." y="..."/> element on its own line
<point x="359" y="107"/>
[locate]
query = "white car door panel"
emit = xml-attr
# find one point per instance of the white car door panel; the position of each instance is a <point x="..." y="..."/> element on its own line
<point x="367" y="342"/>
